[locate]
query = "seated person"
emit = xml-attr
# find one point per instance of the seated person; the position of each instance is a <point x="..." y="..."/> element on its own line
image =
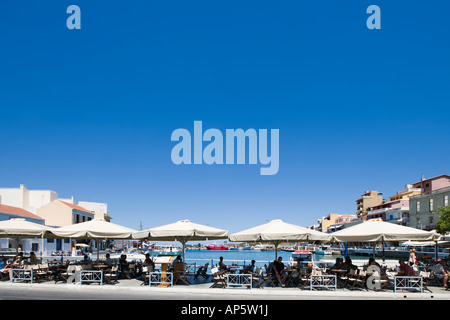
<point x="18" y="261"/>
<point x="250" y="268"/>
<point x="5" y="267"/>
<point x="405" y="269"/>
<point x="278" y="271"/>
<point x="33" y="258"/>
<point x="439" y="272"/>
<point x="223" y="266"/>
<point x="108" y="261"/>
<point x="372" y="262"/>
<point x="86" y="260"/>
<point x="149" y="262"/>
<point x="338" y="265"/>
<point x="348" y="264"/>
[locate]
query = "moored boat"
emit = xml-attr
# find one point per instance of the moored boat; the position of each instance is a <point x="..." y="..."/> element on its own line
<point x="216" y="247"/>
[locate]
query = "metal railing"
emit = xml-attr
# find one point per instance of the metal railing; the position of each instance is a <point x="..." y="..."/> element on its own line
<point x="90" y="276"/>
<point x="405" y="282"/>
<point x="161" y="278"/>
<point x="239" y="280"/>
<point x="22" y="274"/>
<point x="323" y="281"/>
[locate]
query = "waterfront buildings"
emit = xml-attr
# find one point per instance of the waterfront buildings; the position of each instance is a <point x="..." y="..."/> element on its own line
<point x="35" y="200"/>
<point x="334" y="222"/>
<point x="367" y="200"/>
<point x="44" y="206"/>
<point x="59" y="213"/>
<point x="435" y="193"/>
<point x="37" y="245"/>
<point x="396" y="210"/>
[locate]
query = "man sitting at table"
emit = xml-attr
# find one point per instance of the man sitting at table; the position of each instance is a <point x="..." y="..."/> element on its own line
<point x="109" y="262"/>
<point x="405" y="270"/>
<point x="339" y="265"/>
<point x="223" y="266"/>
<point x="278" y="271"/>
<point x="250" y="267"/>
<point x="439" y="272"/>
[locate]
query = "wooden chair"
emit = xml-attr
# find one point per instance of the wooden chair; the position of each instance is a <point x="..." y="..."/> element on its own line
<point x="202" y="272"/>
<point x="357" y="279"/>
<point x="130" y="271"/>
<point x="65" y="275"/>
<point x="218" y="278"/>
<point x="110" y="276"/>
<point x="269" y="277"/>
<point x="182" y="275"/>
<point x="43" y="272"/>
<point x="294" y="278"/>
<point x="257" y="277"/>
<point x="304" y="278"/>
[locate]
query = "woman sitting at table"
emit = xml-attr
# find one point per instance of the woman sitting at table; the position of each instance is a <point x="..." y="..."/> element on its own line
<point x="18" y="261"/>
<point x="33" y="258"/>
<point x="149" y="262"/>
<point x="372" y="262"/>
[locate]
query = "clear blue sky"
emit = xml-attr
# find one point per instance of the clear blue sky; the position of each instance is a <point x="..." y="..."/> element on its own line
<point x="89" y="113"/>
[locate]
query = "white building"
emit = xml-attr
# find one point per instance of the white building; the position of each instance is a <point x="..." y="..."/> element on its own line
<point x="31" y="200"/>
<point x="23" y="203"/>
<point x="38" y="245"/>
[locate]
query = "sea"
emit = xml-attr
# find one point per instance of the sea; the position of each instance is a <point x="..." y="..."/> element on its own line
<point x="244" y="257"/>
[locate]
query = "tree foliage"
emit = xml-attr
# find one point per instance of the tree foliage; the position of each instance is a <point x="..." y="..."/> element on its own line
<point x="443" y="225"/>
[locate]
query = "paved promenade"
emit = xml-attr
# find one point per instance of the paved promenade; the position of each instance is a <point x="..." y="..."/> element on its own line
<point x="132" y="289"/>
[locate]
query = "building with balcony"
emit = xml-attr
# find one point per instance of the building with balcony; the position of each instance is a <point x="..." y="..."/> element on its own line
<point x="367" y="200"/>
<point x="59" y="213"/>
<point x="435" y="193"/>
<point x="334" y="222"/>
<point x="396" y="211"/>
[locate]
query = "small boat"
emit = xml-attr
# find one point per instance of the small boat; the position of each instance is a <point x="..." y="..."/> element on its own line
<point x="263" y="247"/>
<point x="324" y="250"/>
<point x="304" y="257"/>
<point x="216" y="247"/>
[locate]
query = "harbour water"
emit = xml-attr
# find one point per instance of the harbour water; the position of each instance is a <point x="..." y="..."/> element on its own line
<point x="240" y="257"/>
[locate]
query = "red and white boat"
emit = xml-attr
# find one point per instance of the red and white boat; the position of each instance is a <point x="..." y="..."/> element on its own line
<point x="216" y="247"/>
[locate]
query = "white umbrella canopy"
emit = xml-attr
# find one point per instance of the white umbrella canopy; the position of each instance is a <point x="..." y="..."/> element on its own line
<point x="94" y="229"/>
<point x="277" y="231"/>
<point x="182" y="231"/>
<point x="19" y="227"/>
<point x="374" y="231"/>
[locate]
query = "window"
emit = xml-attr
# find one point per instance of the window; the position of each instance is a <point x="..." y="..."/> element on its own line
<point x="418" y="206"/>
<point x="35" y="247"/>
<point x="445" y="201"/>
<point x="431" y="204"/>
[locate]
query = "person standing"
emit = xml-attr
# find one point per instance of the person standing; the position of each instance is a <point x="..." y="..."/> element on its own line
<point x="412" y="257"/>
